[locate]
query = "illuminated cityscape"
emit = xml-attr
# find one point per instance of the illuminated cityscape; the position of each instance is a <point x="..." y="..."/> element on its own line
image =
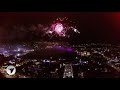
<point x="59" y="47"/>
<point x="77" y="61"/>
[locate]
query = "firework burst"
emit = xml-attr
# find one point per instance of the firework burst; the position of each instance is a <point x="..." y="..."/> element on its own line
<point x="60" y="27"/>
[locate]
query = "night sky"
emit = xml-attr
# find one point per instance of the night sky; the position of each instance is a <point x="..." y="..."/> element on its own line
<point x="94" y="26"/>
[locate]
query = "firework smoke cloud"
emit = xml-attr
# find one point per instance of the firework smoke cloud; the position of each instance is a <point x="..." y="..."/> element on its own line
<point x="60" y="27"/>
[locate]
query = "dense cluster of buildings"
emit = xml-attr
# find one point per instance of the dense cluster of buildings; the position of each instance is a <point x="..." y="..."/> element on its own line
<point x="60" y="60"/>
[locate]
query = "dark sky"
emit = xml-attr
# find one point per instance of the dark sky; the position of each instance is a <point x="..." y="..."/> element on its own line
<point x="94" y="26"/>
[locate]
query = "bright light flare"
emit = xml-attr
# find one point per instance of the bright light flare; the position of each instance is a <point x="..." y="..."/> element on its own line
<point x="75" y="30"/>
<point x="58" y="28"/>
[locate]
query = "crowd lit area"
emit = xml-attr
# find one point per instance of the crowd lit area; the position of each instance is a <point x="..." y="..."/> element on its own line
<point x="60" y="60"/>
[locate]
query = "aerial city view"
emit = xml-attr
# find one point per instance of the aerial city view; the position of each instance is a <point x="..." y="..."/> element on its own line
<point x="59" y="45"/>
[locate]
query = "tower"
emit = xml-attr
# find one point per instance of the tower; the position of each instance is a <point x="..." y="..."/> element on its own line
<point x="68" y="71"/>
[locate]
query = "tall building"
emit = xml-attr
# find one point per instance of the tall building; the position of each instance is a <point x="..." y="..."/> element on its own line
<point x="68" y="71"/>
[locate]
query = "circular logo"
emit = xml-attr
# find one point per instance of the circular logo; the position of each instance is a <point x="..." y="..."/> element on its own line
<point x="11" y="70"/>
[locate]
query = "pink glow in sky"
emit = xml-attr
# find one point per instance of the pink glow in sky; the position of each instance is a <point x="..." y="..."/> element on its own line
<point x="58" y="28"/>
